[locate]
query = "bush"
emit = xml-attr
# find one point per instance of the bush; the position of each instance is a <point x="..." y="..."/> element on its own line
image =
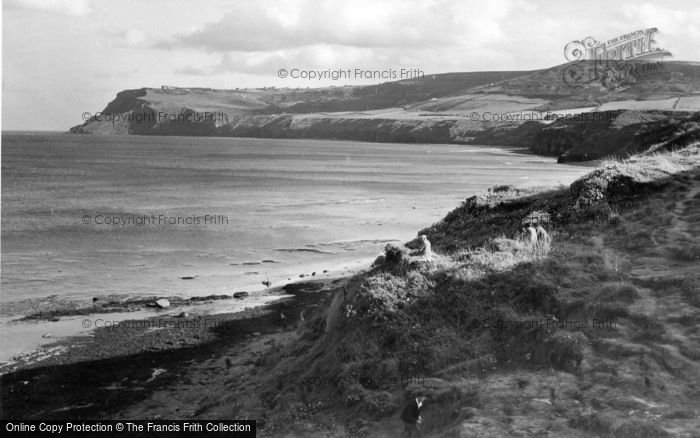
<point x="592" y="189"/>
<point x="501" y="188"/>
<point x="396" y="259"/>
<point x="384" y="294"/>
<point x="381" y="296"/>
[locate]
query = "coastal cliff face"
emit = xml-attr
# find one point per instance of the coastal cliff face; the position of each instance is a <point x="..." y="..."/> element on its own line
<point x="622" y="133"/>
<point x="368" y="130"/>
<point x="619" y="133"/>
<point x="536" y="110"/>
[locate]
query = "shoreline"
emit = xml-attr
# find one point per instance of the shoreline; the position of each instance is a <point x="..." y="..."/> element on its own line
<point x="121" y="365"/>
<point x="66" y="320"/>
<point x="127" y="363"/>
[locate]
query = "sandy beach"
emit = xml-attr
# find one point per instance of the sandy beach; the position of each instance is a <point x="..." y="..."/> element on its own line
<point x="52" y="326"/>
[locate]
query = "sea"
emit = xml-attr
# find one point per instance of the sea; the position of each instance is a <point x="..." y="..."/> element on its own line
<point x="88" y="216"/>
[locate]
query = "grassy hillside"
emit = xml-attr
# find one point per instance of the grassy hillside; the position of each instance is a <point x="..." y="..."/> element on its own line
<point x="475" y="107"/>
<point x="635" y="81"/>
<point x="618" y="133"/>
<point x="592" y="332"/>
<point x="399" y="93"/>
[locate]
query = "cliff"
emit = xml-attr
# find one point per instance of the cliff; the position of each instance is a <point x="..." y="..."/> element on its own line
<point x="618" y="133"/>
<point x="538" y="109"/>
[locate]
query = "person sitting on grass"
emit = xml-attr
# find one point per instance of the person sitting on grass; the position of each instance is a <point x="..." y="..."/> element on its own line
<point x="530" y="234"/>
<point x="426" y="250"/>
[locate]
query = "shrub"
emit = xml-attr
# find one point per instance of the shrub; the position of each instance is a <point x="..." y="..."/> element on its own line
<point x="396" y="259"/>
<point x="592" y="189"/>
<point x="501" y="188"/>
<point x="381" y="296"/>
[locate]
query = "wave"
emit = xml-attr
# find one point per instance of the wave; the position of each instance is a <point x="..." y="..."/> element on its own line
<point x="313" y="250"/>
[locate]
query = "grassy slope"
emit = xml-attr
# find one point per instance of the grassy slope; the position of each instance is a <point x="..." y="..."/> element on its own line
<point x="616" y="351"/>
<point x="445" y="108"/>
<point x="454" y="94"/>
<point x="618" y="133"/>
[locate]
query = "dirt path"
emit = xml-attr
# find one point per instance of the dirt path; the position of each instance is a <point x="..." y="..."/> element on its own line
<point x="670" y="239"/>
<point x="681" y="212"/>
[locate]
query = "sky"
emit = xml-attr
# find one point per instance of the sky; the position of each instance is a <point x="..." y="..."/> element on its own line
<point x="61" y="58"/>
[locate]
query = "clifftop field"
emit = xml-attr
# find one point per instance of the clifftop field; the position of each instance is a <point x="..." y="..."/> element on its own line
<point x="538" y="109"/>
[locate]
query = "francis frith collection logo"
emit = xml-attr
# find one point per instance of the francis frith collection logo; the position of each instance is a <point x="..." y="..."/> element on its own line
<point x="616" y="62"/>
